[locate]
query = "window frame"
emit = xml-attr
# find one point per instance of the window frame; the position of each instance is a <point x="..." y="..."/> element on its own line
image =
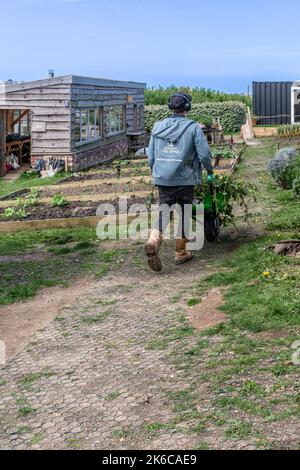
<point x="20" y="124"/>
<point x="117" y="115"/>
<point x="89" y="139"/>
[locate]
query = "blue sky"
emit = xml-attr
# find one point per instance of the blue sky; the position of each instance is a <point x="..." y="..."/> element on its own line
<point x="217" y="44"/>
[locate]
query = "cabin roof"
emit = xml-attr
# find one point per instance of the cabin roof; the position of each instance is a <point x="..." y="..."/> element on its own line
<point x="73" y="80"/>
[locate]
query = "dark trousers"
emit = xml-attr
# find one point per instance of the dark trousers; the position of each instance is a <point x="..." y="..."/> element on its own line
<point x="169" y="196"/>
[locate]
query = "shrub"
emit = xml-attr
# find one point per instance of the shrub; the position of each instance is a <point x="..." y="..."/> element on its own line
<point x="296" y="186"/>
<point x="230" y="113"/>
<point x="287" y="152"/>
<point x="285" y="167"/>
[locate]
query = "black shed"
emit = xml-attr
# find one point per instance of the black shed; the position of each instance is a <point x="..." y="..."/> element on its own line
<point x="272" y="102"/>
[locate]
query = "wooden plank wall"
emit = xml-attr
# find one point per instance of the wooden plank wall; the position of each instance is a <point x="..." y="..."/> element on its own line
<point x="2" y="141"/>
<point x="138" y="99"/>
<point x="50" y="126"/>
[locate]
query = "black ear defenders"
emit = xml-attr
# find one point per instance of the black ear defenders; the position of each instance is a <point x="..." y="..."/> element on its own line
<point x="187" y="106"/>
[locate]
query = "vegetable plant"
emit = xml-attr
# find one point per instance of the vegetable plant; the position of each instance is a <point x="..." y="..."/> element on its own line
<point x="12" y="212"/>
<point x="224" y="153"/>
<point x="59" y="200"/>
<point x="289" y="130"/>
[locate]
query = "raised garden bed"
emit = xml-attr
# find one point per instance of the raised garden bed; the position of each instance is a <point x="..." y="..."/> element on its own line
<point x="73" y="209"/>
<point x="107" y="174"/>
<point x="104" y="188"/>
<point x="83" y="198"/>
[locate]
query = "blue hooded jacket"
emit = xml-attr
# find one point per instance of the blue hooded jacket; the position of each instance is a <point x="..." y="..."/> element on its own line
<point x="177" y="151"/>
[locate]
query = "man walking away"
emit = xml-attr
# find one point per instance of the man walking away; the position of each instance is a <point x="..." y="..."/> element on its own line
<point x="177" y="151"/>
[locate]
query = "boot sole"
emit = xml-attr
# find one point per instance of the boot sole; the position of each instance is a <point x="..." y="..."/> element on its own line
<point x="183" y="261"/>
<point x="153" y="258"/>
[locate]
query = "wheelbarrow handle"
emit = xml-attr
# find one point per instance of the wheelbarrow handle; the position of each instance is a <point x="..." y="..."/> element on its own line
<point x="212" y="190"/>
<point x="210" y="178"/>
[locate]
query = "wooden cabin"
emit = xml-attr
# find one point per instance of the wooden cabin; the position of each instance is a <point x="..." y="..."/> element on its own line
<point x="84" y="121"/>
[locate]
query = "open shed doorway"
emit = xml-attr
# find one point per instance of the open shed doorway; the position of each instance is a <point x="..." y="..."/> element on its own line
<point x="16" y="140"/>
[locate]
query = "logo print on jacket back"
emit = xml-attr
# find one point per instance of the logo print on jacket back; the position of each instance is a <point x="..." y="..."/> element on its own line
<point x="170" y="148"/>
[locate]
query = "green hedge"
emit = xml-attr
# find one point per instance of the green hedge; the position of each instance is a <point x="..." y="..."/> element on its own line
<point x="232" y="114"/>
<point x="161" y="95"/>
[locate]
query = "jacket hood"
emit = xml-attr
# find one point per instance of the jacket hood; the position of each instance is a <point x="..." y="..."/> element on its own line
<point x="171" y="129"/>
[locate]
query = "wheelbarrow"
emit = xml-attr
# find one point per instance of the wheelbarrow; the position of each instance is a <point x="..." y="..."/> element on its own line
<point x="214" y="202"/>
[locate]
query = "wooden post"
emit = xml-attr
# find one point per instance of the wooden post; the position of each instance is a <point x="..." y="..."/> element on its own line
<point x="2" y="141"/>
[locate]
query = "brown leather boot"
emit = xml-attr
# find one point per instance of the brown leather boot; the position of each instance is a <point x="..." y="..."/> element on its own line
<point x="152" y="249"/>
<point x="181" y="255"/>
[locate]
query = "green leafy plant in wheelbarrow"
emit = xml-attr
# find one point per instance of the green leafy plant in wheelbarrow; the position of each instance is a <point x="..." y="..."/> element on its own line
<point x="219" y="194"/>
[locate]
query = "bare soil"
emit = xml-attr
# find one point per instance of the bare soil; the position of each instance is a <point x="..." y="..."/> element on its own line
<point x="207" y="314"/>
<point x="126" y="172"/>
<point x="102" y="188"/>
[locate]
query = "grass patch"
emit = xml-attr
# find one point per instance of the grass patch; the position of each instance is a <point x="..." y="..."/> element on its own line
<point x="252" y="301"/>
<point x="238" y="429"/>
<point x="250" y="387"/>
<point x="7" y="187"/>
<point x="19" y="242"/>
<point x="245" y="405"/>
<point x="286" y="218"/>
<point x="171" y="335"/>
<point x="22" y="280"/>
<point x="198" y="348"/>
<point x="183" y="400"/>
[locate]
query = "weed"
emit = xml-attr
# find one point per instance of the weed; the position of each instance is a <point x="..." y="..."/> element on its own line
<point x="26" y="410"/>
<point x="32" y="377"/>
<point x="192" y="302"/>
<point x="119" y="433"/>
<point x="96" y="318"/>
<point x="23" y="430"/>
<point x="112" y="396"/>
